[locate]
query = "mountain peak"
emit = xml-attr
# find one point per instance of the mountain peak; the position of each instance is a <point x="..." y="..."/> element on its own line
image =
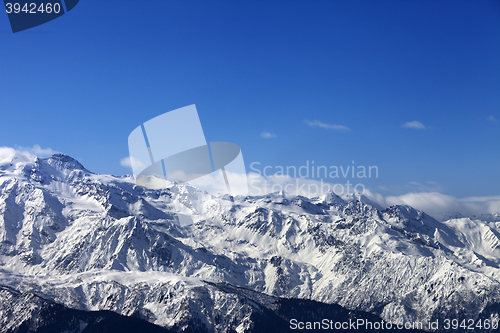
<point x="332" y="199"/>
<point x="63" y="162"/>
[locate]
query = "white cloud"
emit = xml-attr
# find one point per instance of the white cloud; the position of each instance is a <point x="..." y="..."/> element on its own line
<point x="126" y="162"/>
<point x="131" y="162"/>
<point x="37" y="151"/>
<point x="214" y="183"/>
<point x="261" y="185"/>
<point x="10" y="155"/>
<point x="42" y="152"/>
<point x="267" y="135"/>
<point x="413" y="186"/>
<point x="335" y="127"/>
<point x="414" y="125"/>
<point x="441" y="205"/>
<point x="435" y="204"/>
<point x="432" y="203"/>
<point x="492" y="119"/>
<point x="7" y="154"/>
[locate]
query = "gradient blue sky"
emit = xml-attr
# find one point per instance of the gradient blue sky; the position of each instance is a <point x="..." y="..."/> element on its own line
<point x="81" y="83"/>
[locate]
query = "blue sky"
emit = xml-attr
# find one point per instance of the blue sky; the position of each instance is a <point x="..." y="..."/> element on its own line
<point x="329" y="81"/>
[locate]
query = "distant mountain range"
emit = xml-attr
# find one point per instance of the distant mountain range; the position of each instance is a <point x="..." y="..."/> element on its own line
<point x="179" y="259"/>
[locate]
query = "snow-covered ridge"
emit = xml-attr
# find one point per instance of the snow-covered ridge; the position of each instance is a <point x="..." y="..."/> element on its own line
<point x="63" y="227"/>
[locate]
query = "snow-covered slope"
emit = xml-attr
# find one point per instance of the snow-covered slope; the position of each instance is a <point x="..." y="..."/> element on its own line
<point x="99" y="242"/>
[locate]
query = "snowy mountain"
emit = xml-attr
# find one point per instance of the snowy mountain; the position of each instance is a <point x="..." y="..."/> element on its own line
<point x="185" y="260"/>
